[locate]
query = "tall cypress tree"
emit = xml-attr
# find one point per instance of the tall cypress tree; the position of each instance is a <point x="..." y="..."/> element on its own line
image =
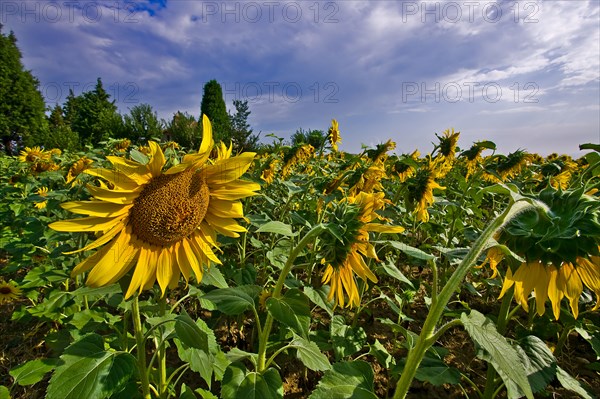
<point x="214" y="107"/>
<point x="22" y="108"/>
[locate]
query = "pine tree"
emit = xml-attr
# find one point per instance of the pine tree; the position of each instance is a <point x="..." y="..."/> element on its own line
<point x="241" y="133"/>
<point x="22" y="108"/>
<point x="93" y="116"/>
<point x="214" y="107"/>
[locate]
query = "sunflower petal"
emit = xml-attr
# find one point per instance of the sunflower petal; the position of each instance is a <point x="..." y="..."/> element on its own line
<point x="590" y="276"/>
<point x="96" y="208"/>
<point x="119" y="180"/>
<point x="164" y="269"/>
<point x="187" y="254"/>
<point x="115" y="263"/>
<point x="381" y="228"/>
<point x="114" y="196"/>
<point x="227" y="170"/>
<point x="86" y="224"/>
<point x="109" y="235"/>
<point x="234" y="190"/>
<point x="573" y="286"/>
<point x="157" y="159"/>
<point x="226" y="209"/>
<point x="139" y="274"/>
<point x="133" y="170"/>
<point x="555" y="290"/>
<point x="150" y="276"/>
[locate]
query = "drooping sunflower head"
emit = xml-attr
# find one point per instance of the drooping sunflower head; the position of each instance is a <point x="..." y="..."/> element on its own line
<point x="561" y="249"/>
<point x="160" y="223"/>
<point x="268" y="173"/>
<point x="75" y="170"/>
<point x="420" y="191"/>
<point x="8" y="291"/>
<point x="472" y="156"/>
<point x="350" y="223"/>
<point x="333" y="135"/>
<point x="511" y="165"/>
<point x="558" y="172"/>
<point x="379" y="153"/>
<point x="369" y="179"/>
<point x="447" y="144"/>
<point x="405" y="167"/>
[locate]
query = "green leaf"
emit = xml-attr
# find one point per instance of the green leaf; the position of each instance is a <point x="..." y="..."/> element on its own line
<point x="205" y="394"/>
<point x="277" y="228"/>
<point x="186" y="392"/>
<point x="319" y="298"/>
<point x="408" y="250"/>
<point x="4" y="392"/>
<point x="89" y="371"/>
<point x="572" y="384"/>
<point x="261" y="386"/>
<point x="33" y="371"/>
<point x="291" y="310"/>
<point x="394" y="272"/>
<point x="539" y="362"/>
<point x="201" y="361"/>
<point x="592" y="339"/>
<point x="436" y="372"/>
<point x="238" y="383"/>
<point x="346" y="340"/>
<point x="346" y="380"/>
<point x="138" y="156"/>
<point x="381" y="354"/>
<point x="233" y="301"/>
<point x="309" y="353"/>
<point x="497" y="351"/>
<point x="190" y="334"/>
<point x="213" y="276"/>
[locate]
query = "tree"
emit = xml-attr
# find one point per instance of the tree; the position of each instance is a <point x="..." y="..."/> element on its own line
<point x="22" y="107"/>
<point x="93" y="116"/>
<point x="60" y="134"/>
<point x="241" y="133"/>
<point x="214" y="107"/>
<point x="183" y="129"/>
<point x="142" y="123"/>
<point x="316" y="138"/>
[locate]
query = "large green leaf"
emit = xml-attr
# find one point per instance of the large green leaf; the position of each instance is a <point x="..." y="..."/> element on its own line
<point x="88" y="371"/>
<point x="33" y="371"/>
<point x="497" y="351"/>
<point x="572" y="384"/>
<point x="291" y="310"/>
<point x="346" y="340"/>
<point x="346" y="380"/>
<point x="319" y="298"/>
<point x="394" y="272"/>
<point x="4" y="392"/>
<point x="233" y="301"/>
<point x="435" y="371"/>
<point x="238" y="383"/>
<point x="190" y="334"/>
<point x="277" y="228"/>
<point x="309" y="353"/>
<point x="538" y="360"/>
<point x="408" y="250"/>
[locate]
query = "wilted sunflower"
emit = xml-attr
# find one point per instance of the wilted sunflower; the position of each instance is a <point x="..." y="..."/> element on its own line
<point x="421" y="188"/>
<point x="333" y="135"/>
<point x="75" y="170"/>
<point x="560" y="246"/>
<point x="42" y="192"/>
<point x="345" y="259"/>
<point x="8" y="292"/>
<point x="160" y="223"/>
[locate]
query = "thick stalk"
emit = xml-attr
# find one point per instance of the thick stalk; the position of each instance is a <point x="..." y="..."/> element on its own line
<point x="264" y="337"/>
<point x="140" y="347"/>
<point x="416" y="354"/>
<point x="162" y="358"/>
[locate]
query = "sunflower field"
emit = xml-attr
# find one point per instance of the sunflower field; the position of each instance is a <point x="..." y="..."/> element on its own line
<point x="152" y="271"/>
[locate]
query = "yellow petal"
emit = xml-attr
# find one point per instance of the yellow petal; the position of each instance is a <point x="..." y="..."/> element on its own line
<point x="590" y="275"/>
<point x="118" y="179"/>
<point x="207" y="136"/>
<point x="227" y="227"/>
<point x="555" y="290"/>
<point x="139" y="274"/>
<point x="109" y="235"/>
<point x="234" y="190"/>
<point x="227" y="170"/>
<point x="542" y="280"/>
<point x="508" y="282"/>
<point x="157" y="159"/>
<point x="114" y="196"/>
<point x="226" y="209"/>
<point x="573" y="286"/>
<point x="201" y="247"/>
<point x="115" y="263"/>
<point x="87" y="224"/>
<point x="133" y="170"/>
<point x="150" y="276"/>
<point x="96" y="208"/>
<point x="164" y="269"/>
<point x="182" y="262"/>
<point x="381" y="228"/>
<point x="186" y="254"/>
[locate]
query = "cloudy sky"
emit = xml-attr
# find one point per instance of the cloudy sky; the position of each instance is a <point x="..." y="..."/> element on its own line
<point x="524" y="74"/>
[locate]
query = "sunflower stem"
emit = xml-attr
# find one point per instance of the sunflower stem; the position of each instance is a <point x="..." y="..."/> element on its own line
<point x="162" y="358"/>
<point x="416" y="354"/>
<point x="264" y="336"/>
<point x="140" y="347"/>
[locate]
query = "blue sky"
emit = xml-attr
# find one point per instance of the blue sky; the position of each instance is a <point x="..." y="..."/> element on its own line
<point x="524" y="74"/>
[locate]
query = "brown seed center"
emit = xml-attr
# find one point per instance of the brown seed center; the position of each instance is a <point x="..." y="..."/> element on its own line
<point x="169" y="208"/>
<point x="4" y="290"/>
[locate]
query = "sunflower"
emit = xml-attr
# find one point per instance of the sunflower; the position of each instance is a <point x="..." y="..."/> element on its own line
<point x="421" y="188"/>
<point x="447" y="144"/>
<point x="121" y="145"/>
<point x="333" y="135"/>
<point x="370" y="179"/>
<point x="42" y="192"/>
<point x="268" y="173"/>
<point x="34" y="154"/>
<point x="379" y="153"/>
<point x="160" y="223"/>
<point x="473" y="158"/>
<point x="507" y="167"/>
<point x="353" y="218"/>
<point x="8" y="292"/>
<point x="298" y="154"/>
<point x="75" y="170"/>
<point x="405" y="167"/>
<point x="560" y="246"/>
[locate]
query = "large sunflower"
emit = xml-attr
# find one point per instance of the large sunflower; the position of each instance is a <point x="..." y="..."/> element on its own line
<point x="160" y="222"/>
<point x="345" y="261"/>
